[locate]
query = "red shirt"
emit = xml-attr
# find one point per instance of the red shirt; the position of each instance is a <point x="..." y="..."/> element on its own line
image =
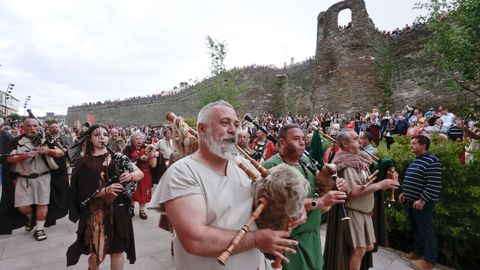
<point x="268" y="149"/>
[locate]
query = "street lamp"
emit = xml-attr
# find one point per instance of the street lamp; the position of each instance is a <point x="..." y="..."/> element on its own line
<point x="7" y="94"/>
<point x="27" y="99"/>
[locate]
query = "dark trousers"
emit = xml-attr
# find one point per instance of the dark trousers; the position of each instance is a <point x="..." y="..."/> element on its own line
<point x="382" y="129"/>
<point x="390" y="141"/>
<point x="423" y="230"/>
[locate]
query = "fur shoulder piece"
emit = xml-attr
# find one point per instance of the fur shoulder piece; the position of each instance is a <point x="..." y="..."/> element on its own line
<point x="359" y="161"/>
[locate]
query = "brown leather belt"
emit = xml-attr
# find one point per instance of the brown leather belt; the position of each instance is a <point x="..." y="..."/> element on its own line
<point x="34" y="175"/>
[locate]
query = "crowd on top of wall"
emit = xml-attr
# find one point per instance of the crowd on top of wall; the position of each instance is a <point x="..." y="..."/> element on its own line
<point x="177" y="90"/>
<point x="395" y="32"/>
<point x="161" y="94"/>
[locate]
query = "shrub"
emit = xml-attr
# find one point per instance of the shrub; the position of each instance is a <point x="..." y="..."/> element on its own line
<point x="191" y="121"/>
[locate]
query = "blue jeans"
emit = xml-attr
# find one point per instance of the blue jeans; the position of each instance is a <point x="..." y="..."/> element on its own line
<point x="382" y="129"/>
<point x="423" y="230"/>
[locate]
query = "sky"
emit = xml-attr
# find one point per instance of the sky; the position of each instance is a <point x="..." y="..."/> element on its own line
<point x="64" y="53"/>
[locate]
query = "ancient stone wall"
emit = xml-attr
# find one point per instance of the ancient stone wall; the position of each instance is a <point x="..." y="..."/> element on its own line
<point x="361" y="68"/>
<point x="414" y="71"/>
<point x="152" y="110"/>
<point x="347" y="77"/>
<point x="139" y="111"/>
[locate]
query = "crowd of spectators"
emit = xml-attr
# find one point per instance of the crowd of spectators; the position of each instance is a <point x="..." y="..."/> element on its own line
<point x="375" y="126"/>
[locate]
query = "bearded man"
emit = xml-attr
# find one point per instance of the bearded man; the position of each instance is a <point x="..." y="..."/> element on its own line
<point x="208" y="199"/>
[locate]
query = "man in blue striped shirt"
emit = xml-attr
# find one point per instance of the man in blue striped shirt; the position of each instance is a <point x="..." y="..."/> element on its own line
<point x="420" y="190"/>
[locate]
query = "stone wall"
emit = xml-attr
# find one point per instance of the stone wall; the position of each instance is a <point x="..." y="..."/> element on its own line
<point x="347" y="78"/>
<point x="152" y="110"/>
<point x="140" y="111"/>
<point x="413" y="74"/>
<point x="353" y="71"/>
<point x="361" y="68"/>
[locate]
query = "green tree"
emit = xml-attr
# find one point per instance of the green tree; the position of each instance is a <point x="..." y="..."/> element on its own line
<point x="223" y="85"/>
<point x="15" y="117"/>
<point x="217" y="53"/>
<point x="386" y="67"/>
<point x="455" y="41"/>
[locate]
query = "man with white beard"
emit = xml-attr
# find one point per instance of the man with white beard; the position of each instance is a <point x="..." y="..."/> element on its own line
<point x="208" y="199"/>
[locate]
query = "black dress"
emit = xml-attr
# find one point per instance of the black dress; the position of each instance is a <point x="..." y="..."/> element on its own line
<point x="105" y="225"/>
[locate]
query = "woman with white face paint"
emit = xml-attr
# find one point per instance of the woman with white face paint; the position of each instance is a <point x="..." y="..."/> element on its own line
<point x="105" y="225"/>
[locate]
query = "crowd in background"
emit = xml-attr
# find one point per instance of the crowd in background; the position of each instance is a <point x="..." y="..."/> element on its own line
<point x="379" y="126"/>
<point x="384" y="126"/>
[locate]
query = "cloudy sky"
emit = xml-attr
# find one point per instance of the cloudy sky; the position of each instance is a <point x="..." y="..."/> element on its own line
<point x="63" y="53"/>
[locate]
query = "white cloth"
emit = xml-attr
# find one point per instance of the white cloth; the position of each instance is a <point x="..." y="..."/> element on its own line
<point x="228" y="203"/>
<point x="447" y="119"/>
<point x="165" y="147"/>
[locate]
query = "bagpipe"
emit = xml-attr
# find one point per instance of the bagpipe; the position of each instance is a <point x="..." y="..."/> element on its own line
<point x="150" y="152"/>
<point x="382" y="169"/>
<point x="123" y="164"/>
<point x="278" y="196"/>
<point x="184" y="137"/>
<point x="39" y="139"/>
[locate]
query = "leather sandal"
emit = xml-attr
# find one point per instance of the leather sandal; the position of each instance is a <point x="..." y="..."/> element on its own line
<point x="142" y="214"/>
<point x="28" y="225"/>
<point x="39" y="235"/>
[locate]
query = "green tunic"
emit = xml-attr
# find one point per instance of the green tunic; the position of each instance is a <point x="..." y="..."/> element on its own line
<point x="309" y="249"/>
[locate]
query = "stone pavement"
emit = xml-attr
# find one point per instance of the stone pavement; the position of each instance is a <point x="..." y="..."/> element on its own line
<point x="20" y="251"/>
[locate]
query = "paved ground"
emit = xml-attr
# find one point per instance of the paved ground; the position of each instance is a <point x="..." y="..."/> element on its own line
<point x="21" y="251"/>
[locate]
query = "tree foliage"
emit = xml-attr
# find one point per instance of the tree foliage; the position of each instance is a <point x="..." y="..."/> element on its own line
<point x="455" y="40"/>
<point x="218" y="53"/>
<point x="386" y="67"/>
<point x="15" y="117"/>
<point x="191" y="121"/>
<point x="223" y="85"/>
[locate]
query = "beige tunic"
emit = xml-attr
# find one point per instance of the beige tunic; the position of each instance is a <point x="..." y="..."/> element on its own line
<point x="30" y="191"/>
<point x="359" y="209"/>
